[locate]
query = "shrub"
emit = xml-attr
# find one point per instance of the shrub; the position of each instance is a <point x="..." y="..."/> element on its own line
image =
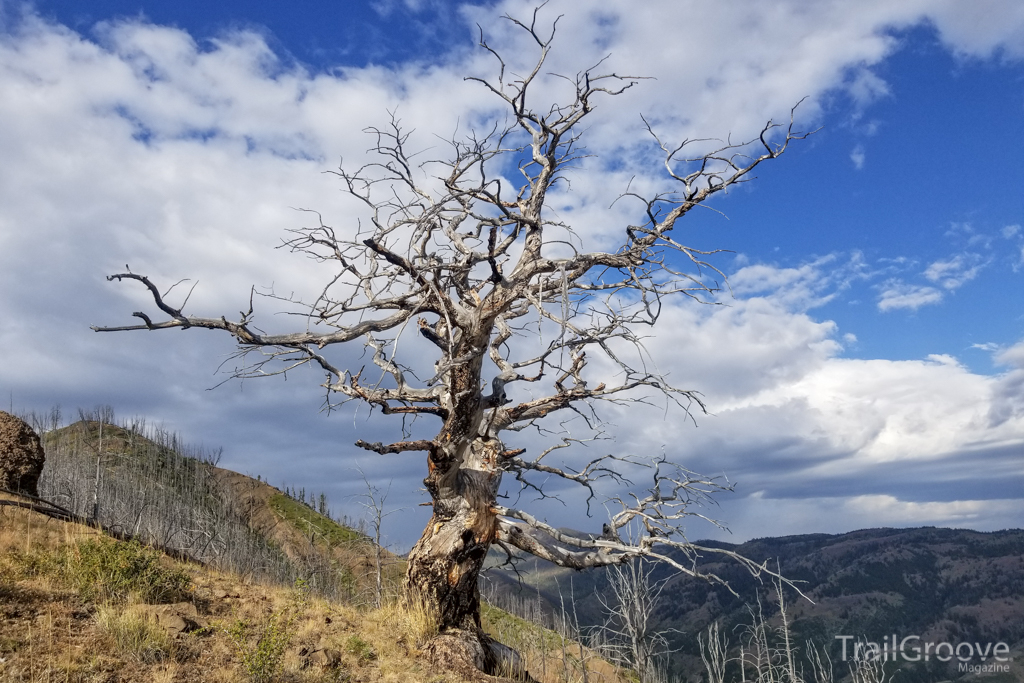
<point x="360" y="649"/>
<point x="104" y="569"/>
<point x="262" y="647"/>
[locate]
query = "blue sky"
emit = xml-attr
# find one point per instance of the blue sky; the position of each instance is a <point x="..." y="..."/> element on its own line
<point x="931" y="149"/>
<point x="876" y="321"/>
<point x="318" y="33"/>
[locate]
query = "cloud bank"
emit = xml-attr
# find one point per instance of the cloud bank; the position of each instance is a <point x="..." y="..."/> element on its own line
<point x="186" y="157"/>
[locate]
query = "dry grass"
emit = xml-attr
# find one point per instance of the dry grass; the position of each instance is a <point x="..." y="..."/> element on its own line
<point x="412" y="624"/>
<point x="549" y="656"/>
<point x="134" y="636"/>
<point x="52" y="632"/>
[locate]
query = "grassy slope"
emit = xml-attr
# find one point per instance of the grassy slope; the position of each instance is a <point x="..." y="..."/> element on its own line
<point x="52" y="629"/>
<point x="311" y="523"/>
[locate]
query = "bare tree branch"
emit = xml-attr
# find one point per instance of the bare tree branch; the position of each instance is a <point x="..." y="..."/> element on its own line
<point x="516" y="320"/>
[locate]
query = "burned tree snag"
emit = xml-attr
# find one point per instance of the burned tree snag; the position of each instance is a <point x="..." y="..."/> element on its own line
<point x="498" y="290"/>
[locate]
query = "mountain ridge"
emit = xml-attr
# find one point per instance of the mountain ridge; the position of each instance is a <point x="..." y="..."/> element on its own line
<point x="937" y="583"/>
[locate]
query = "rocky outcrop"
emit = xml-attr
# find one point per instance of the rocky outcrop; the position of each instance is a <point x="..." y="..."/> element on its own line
<point x="181" y="617"/>
<point x="21" y="455"/>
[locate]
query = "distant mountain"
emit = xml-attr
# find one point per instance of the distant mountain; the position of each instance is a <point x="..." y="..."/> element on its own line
<point x="942" y="585"/>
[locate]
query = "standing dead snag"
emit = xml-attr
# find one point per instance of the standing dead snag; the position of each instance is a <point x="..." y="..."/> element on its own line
<point x="506" y="299"/>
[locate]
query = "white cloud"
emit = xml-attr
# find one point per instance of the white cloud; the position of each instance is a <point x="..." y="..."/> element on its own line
<point x="866" y="87"/>
<point x="957" y="513"/>
<point x="183" y="157"/>
<point x="781" y="51"/>
<point x="803" y="287"/>
<point x="857" y="157"/>
<point x="833" y="515"/>
<point x="1010" y="231"/>
<point x="808" y="434"/>
<point x="954" y="272"/>
<point x="1013" y="356"/>
<point x="897" y="294"/>
<point x="385" y="8"/>
<point x="982" y="29"/>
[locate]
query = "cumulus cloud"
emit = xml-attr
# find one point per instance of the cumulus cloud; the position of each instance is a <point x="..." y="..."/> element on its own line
<point x="832" y="515"/>
<point x="994" y="28"/>
<point x="799" y="427"/>
<point x="1007" y="402"/>
<point x="185" y="157"/>
<point x="830" y="438"/>
<point x="1007" y="399"/>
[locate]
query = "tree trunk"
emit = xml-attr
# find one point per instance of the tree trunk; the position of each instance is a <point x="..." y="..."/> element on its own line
<point x="445" y="563"/>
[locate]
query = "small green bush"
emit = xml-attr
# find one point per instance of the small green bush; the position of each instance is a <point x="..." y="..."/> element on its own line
<point x="104" y="569"/>
<point x="262" y="647"/>
<point x="360" y="649"/>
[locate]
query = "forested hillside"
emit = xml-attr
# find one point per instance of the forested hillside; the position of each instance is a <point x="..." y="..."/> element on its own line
<point x="943" y="585"/>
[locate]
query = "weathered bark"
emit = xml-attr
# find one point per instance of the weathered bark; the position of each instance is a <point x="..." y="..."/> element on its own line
<point x="463" y="479"/>
<point x="444" y="565"/>
<point x="470" y="653"/>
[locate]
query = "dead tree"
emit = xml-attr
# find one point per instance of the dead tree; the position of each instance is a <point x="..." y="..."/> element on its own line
<point x="629" y="631"/>
<point x="512" y="309"/>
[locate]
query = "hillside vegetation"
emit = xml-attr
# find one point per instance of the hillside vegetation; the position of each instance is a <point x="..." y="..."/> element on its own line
<point x="944" y="585"/>
<point x="266" y="578"/>
<point x="142" y="481"/>
<point x="262" y="587"/>
<point x="80" y="607"/>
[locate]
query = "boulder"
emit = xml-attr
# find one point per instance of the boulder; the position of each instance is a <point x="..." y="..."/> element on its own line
<point x="181" y="617"/>
<point x="21" y="455"/>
